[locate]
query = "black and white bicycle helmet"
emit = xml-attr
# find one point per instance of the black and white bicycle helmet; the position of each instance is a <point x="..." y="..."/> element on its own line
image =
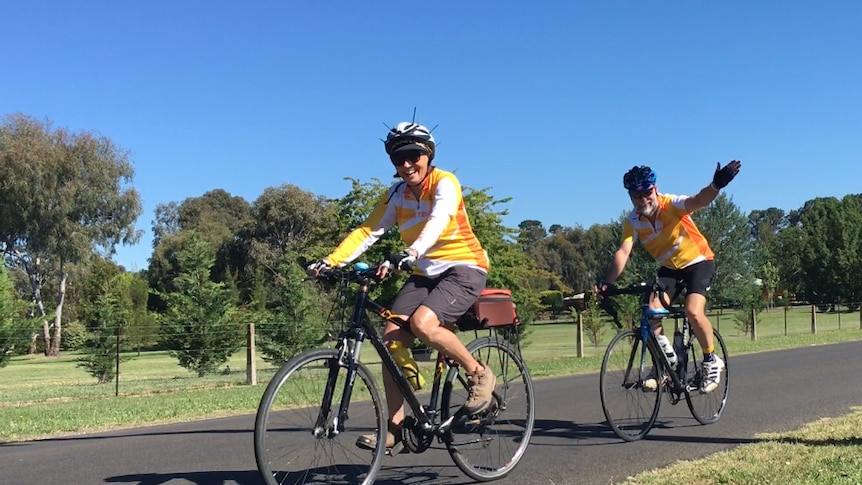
<point x="409" y="136"/>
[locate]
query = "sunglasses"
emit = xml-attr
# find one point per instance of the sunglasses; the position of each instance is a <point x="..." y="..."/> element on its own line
<point x="412" y="156"/>
<point x="640" y="194"/>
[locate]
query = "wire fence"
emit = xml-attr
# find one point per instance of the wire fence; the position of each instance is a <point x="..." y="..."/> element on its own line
<point x="37" y="379"/>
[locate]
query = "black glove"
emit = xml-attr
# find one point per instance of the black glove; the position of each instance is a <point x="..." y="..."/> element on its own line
<point x="402" y="260"/>
<point x="723" y="175"/>
<point x="603" y="288"/>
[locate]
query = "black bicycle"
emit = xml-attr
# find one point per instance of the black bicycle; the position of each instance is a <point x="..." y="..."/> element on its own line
<point x="634" y="356"/>
<point x="322" y="400"/>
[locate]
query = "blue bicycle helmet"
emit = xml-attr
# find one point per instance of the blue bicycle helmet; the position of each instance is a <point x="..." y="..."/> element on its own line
<point x="639" y="179"/>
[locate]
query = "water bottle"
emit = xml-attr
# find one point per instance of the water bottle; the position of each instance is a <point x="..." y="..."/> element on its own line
<point x="402" y="357"/>
<point x="667" y="348"/>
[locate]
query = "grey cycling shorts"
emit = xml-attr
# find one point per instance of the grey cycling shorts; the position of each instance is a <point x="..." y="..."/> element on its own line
<point x="449" y="295"/>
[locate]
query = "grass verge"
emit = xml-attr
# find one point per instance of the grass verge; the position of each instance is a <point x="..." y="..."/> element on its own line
<point x="826" y="451"/>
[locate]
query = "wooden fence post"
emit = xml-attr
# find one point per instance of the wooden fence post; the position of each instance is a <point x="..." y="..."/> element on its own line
<point x="250" y="361"/>
<point x="813" y="319"/>
<point x="580" y="334"/>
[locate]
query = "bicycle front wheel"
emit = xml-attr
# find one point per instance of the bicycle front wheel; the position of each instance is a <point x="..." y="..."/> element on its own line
<point x="706" y="408"/>
<point x="488" y="445"/>
<point x="298" y="439"/>
<point x="631" y="410"/>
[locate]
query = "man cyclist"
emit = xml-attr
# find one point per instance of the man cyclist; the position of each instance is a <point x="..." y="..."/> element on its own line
<point x="663" y="224"/>
<point x="449" y="264"/>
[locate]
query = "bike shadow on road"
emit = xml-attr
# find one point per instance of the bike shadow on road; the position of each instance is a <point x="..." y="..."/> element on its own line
<point x="224" y="477"/>
<point x="388" y="475"/>
<point x="555" y="432"/>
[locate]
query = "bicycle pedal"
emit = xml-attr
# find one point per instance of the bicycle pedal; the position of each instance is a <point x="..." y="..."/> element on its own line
<point x="395" y="450"/>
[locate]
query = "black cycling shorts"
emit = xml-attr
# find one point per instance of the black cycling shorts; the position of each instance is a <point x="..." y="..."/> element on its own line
<point x="696" y="278"/>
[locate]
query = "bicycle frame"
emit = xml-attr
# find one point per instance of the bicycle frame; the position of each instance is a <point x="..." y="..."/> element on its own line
<point x="648" y="338"/>
<point x="361" y="330"/>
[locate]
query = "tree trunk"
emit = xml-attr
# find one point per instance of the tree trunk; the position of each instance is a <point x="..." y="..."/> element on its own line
<point x="46" y="337"/>
<point x="58" y="320"/>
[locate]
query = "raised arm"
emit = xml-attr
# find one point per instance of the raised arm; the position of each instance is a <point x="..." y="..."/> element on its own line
<point x="722" y="177"/>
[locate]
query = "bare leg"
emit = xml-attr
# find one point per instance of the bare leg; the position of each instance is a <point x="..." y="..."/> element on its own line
<point x="394" y="398"/>
<point x="427" y="328"/>
<point x="695" y="304"/>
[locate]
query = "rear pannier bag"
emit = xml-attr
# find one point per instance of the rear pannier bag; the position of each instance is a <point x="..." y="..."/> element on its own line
<point x="494" y="308"/>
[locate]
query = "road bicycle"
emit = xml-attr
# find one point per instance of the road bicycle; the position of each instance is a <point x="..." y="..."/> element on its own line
<point x="320" y="401"/>
<point x="634" y="355"/>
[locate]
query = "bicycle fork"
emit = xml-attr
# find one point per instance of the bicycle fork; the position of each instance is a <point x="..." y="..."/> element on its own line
<point x="329" y="425"/>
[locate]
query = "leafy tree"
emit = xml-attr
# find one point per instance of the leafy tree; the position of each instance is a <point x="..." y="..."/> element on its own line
<point x="552" y="300"/>
<point x="788" y="252"/>
<point x="833" y="235"/>
<point x="199" y="326"/>
<point x="531" y="232"/>
<point x="299" y="321"/>
<point x="769" y="278"/>
<point x="641" y="266"/>
<point x="119" y="318"/>
<point x="511" y="267"/>
<point x="728" y="232"/>
<point x="101" y="348"/>
<point x="141" y="327"/>
<point x="14" y="332"/>
<point x="216" y="217"/>
<point x="64" y="197"/>
<point x="352" y="210"/>
<point x="751" y="304"/>
<point x="594" y="324"/>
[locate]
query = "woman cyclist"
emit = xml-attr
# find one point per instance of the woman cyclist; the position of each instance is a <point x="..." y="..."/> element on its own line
<point x="449" y="265"/>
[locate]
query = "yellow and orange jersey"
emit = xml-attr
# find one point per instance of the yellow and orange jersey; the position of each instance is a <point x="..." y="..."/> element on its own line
<point x="435" y="225"/>
<point x="674" y="241"/>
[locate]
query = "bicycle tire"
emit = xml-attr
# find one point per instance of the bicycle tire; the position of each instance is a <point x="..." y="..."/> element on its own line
<point x="630" y="410"/>
<point x="489" y="445"/>
<point x="706" y="408"/>
<point x="286" y="447"/>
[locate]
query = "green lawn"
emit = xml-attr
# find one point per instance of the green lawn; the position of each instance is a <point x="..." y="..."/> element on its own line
<point x="42" y="397"/>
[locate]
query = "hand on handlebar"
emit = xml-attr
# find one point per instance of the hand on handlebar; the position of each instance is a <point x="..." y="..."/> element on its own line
<point x="404" y="260"/>
<point x="601" y="290"/>
<point x="316" y="267"/>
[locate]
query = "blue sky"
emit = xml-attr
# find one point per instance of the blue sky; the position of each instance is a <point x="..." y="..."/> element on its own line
<point x="545" y="102"/>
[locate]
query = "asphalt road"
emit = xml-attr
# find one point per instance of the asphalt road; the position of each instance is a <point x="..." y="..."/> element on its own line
<point x="769" y="392"/>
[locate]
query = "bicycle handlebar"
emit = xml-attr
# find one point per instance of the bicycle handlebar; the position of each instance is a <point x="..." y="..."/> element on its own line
<point x="634" y="289"/>
<point x="358" y="272"/>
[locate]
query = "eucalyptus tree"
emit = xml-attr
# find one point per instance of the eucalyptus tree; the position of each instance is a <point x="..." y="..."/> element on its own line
<point x="65" y="196"/>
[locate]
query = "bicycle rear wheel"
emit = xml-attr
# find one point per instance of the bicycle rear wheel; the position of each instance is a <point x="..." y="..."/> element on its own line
<point x="630" y="409"/>
<point x="706" y="408"/>
<point x="296" y="441"/>
<point x="488" y="445"/>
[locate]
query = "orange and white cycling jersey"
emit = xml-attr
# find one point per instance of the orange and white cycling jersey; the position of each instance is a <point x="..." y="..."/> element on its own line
<point x="435" y="225"/>
<point x="674" y="241"/>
